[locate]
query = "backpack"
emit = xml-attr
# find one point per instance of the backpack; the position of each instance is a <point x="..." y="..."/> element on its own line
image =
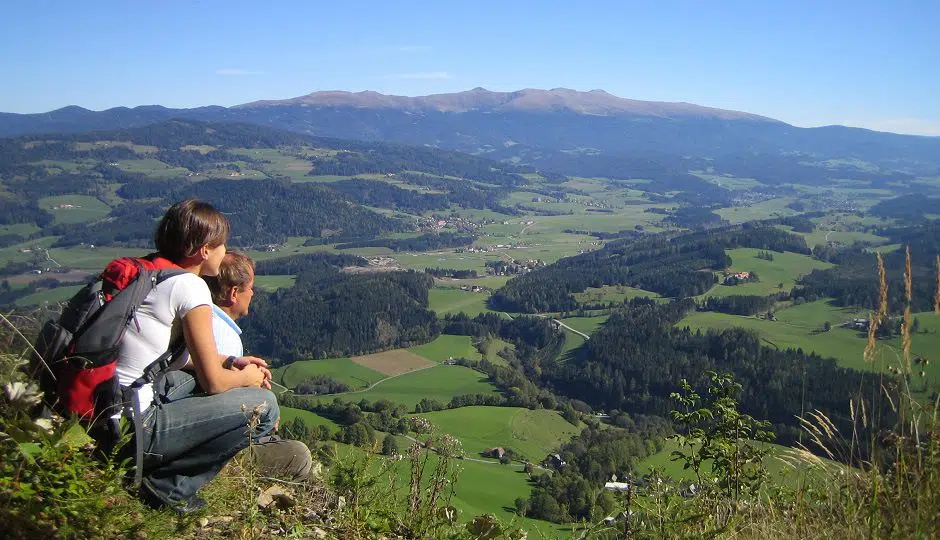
<point x="76" y="356"/>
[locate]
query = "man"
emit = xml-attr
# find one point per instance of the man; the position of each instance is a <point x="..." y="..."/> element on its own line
<point x="232" y="290"/>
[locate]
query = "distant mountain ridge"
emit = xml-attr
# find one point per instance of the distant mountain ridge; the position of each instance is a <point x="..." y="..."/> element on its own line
<point x="594" y="102"/>
<point x="565" y="131"/>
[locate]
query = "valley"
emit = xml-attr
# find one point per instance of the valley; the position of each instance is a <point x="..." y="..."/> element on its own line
<point x="395" y="281"/>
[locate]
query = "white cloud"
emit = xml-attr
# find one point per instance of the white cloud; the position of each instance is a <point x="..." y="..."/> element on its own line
<point x="414" y="48"/>
<point x="428" y="75"/>
<point x="237" y="72"/>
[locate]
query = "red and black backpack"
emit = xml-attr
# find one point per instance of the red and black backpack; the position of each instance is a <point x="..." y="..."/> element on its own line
<point x="77" y="354"/>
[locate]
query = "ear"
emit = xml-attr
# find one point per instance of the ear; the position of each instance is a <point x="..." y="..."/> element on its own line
<point x="204" y="252"/>
<point x="232" y="296"/>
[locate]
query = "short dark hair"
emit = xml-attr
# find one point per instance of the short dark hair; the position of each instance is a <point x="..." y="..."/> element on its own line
<point x="236" y="270"/>
<point x="187" y="226"/>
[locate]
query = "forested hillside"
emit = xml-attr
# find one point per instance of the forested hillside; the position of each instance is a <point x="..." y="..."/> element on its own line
<point x="327" y="313"/>
<point x="671" y="265"/>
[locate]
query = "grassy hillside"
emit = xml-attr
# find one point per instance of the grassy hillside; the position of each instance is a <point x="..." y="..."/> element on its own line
<point x="532" y="433"/>
<point x="341" y="369"/>
<point x="446" y="346"/>
<point x="786" y="268"/>
<point x="439" y="383"/>
<point x="800" y="327"/>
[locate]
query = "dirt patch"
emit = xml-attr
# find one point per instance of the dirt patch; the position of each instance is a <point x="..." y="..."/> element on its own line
<point x="393" y="362"/>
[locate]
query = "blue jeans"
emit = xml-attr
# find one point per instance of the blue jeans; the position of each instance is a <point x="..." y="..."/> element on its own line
<point x="189" y="436"/>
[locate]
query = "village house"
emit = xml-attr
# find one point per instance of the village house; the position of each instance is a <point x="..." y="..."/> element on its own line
<point x="497" y="452"/>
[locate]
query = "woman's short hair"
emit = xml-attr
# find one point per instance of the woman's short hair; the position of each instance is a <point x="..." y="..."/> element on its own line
<point x="236" y="270"/>
<point x="187" y="226"/>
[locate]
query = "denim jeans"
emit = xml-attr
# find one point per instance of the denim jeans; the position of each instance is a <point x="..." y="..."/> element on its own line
<point x="189" y="436"/>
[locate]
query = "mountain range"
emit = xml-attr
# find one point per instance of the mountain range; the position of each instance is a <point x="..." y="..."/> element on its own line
<point x="568" y="131"/>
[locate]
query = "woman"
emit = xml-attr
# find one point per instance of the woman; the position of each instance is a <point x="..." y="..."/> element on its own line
<point x="187" y="437"/>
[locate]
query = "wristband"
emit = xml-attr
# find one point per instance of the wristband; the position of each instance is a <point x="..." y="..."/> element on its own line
<point x="229" y="362"/>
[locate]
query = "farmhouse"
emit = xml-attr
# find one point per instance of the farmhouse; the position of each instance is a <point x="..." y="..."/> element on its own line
<point x="497" y="452"/>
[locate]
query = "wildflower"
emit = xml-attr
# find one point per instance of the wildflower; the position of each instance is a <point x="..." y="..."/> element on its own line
<point x="18" y="392"/>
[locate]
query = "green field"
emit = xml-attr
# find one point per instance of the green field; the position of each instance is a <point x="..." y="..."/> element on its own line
<point x="800" y="327"/>
<point x="447" y="300"/>
<point x="309" y="418"/>
<point x="48" y="296"/>
<point x="341" y="369"/>
<point x="588" y="325"/>
<point x="447" y="346"/>
<point x="440" y="383"/>
<point x="533" y="433"/>
<point x="762" y="210"/>
<point x="786" y="268"/>
<point x="612" y="293"/>
<point x="779" y="470"/>
<point x="84" y="208"/>
<point x="273" y="283"/>
<point x="493" y="347"/>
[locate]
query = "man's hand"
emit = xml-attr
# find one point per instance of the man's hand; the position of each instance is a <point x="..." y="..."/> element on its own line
<point x="244" y="361"/>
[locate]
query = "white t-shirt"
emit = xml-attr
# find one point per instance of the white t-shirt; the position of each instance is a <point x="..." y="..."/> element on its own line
<point x="227" y="334"/>
<point x="159" y="321"/>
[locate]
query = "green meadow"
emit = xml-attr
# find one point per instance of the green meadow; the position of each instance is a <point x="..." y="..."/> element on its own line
<point x="439" y="383"/>
<point x="447" y="300"/>
<point x="786" y="268"/>
<point x="82" y="208"/>
<point x="533" y="433"/>
<point x="309" y="418"/>
<point x="801" y="327"/>
<point x="588" y="325"/>
<point x="612" y="293"/>
<point x="446" y="346"/>
<point x="341" y="369"/>
<point x="48" y="296"/>
<point x="273" y="283"/>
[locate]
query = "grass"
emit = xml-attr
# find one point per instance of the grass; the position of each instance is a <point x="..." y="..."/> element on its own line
<point x="799" y="327"/>
<point x="447" y="346"/>
<point x="533" y="433"/>
<point x="493" y="347"/>
<point x="447" y="300"/>
<point x="588" y="325"/>
<point x="761" y="210"/>
<point x="662" y="461"/>
<point x="612" y="293"/>
<point x="341" y="369"/>
<point x="439" y="383"/>
<point x="85" y="208"/>
<point x="273" y="283"/>
<point x="786" y="268"/>
<point x="48" y="296"/>
<point x="309" y="418"/>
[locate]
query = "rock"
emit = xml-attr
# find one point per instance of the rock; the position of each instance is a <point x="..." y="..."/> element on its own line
<point x="203" y="522"/>
<point x="275" y="495"/>
<point x="340" y="503"/>
<point x="317" y="532"/>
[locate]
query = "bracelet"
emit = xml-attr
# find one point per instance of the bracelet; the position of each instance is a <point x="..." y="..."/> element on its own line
<point x="229" y="362"/>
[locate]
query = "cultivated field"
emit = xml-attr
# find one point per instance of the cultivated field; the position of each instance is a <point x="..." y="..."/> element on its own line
<point x="391" y="363"/>
<point x="74" y="208"/>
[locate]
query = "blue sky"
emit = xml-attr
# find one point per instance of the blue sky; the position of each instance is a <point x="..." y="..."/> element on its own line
<point x="869" y="64"/>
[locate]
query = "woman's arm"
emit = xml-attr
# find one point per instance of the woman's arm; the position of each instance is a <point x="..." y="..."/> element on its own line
<point x="212" y="377"/>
